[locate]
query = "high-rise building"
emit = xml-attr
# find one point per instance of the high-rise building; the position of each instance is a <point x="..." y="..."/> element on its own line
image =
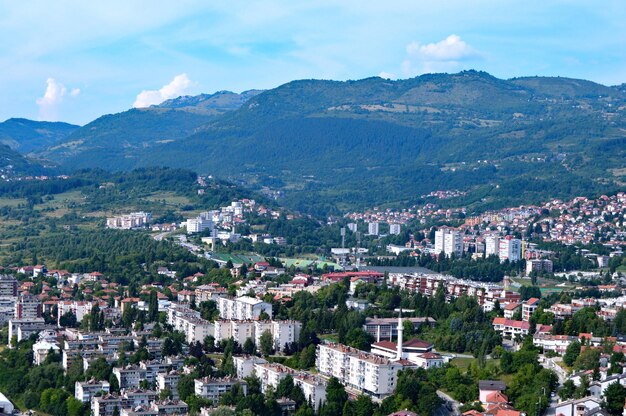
<point x="8" y="286"/>
<point x="492" y="245"/>
<point x="449" y="241"/>
<point x="352" y="227"/>
<point x="394" y="229"/>
<point x="510" y="249"/>
<point x="27" y="307"/>
<point x="373" y="228"/>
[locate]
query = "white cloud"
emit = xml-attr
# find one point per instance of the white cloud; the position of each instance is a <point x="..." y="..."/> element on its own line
<point x="452" y="48"/>
<point x="48" y="104"/>
<point x="75" y="92"/>
<point x="447" y="55"/>
<point x="387" y="75"/>
<point x="177" y="87"/>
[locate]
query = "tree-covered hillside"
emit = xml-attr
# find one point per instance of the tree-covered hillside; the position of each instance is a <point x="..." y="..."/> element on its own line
<point x="337" y="145"/>
<point x="26" y="136"/>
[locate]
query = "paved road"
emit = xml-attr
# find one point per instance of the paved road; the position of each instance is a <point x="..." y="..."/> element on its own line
<point x="450" y="407"/>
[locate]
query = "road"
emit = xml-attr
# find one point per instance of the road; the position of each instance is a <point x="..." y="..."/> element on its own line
<point x="450" y="407"/>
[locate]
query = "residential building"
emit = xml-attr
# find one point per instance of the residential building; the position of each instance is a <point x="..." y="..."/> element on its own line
<point x="387" y="328"/>
<point x="394" y="229"/>
<point x="510" y="328"/>
<point x="242" y="308"/>
<point x="539" y="266"/>
<point x="448" y="241"/>
<point x="578" y="407"/>
<point x="168" y="381"/>
<point x="373" y="228"/>
<point x="528" y="308"/>
<point x="27" y="307"/>
<point x="510" y="310"/>
<point x="313" y="387"/>
<point x="85" y="390"/>
<point x="359" y="370"/>
<point x="8" y="286"/>
<point x="41" y="350"/>
<point x="487" y="387"/>
<point x="510" y="249"/>
<point x="213" y="388"/>
<point x="492" y="245"/>
<point x="244" y="364"/>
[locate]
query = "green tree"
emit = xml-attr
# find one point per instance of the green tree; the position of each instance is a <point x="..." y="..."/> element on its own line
<point x="249" y="347"/>
<point x="153" y="306"/>
<point x="614" y="397"/>
<point x="266" y="343"/>
<point x="571" y="353"/>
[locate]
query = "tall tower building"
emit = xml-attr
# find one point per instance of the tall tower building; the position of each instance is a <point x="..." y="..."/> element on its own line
<point x="449" y="241"/>
<point x="510" y="249"/>
<point x="400" y="336"/>
<point x="492" y="245"/>
<point x="373" y="228"/>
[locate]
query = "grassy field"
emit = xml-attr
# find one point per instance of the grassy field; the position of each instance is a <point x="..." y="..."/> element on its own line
<point x="11" y="202"/>
<point x="170" y="198"/>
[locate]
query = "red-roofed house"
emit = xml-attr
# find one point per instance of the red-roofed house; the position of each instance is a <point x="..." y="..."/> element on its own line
<point x="510" y="328"/>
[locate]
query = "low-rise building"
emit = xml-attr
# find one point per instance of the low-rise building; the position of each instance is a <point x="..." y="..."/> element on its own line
<point x="509" y="328"/>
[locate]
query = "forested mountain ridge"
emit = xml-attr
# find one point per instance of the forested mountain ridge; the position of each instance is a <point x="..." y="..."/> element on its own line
<point x="14" y="164"/>
<point x="28" y="135"/>
<point x="335" y="145"/>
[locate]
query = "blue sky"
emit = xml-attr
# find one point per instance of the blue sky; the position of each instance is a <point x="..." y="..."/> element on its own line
<point x="76" y="60"/>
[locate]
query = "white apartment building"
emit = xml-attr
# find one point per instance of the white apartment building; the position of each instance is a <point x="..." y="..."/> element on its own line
<point x="283" y="332"/>
<point x="188" y="321"/>
<point x="271" y="374"/>
<point x="492" y="245"/>
<point x="242" y="308"/>
<point x="448" y="241"/>
<point x="528" y="308"/>
<point x="78" y="308"/>
<point x="168" y="381"/>
<point x="41" y="349"/>
<point x="240" y="331"/>
<point x="209" y="292"/>
<point x="510" y="249"/>
<point x="555" y="343"/>
<point x="199" y="224"/>
<point x="244" y="364"/>
<point x="373" y="228"/>
<point x="213" y="388"/>
<point x="313" y="387"/>
<point x="129" y="221"/>
<point x="394" y="229"/>
<point x="366" y="372"/>
<point x="85" y="390"/>
<point x="129" y="376"/>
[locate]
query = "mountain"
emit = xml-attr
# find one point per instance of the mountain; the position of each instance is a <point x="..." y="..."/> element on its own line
<point x="13" y="164"/>
<point x="333" y="146"/>
<point x="212" y="104"/>
<point x="26" y="136"/>
<point x="119" y="141"/>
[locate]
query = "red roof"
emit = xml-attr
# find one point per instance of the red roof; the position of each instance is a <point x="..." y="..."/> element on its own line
<point x="511" y="323"/>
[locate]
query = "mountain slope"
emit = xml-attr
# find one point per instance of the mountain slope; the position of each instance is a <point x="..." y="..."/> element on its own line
<point x="337" y="145"/>
<point x="13" y="164"/>
<point x="119" y="141"/>
<point x="26" y="136"/>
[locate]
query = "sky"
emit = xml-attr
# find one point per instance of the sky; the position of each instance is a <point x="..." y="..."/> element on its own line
<point x="76" y="60"/>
